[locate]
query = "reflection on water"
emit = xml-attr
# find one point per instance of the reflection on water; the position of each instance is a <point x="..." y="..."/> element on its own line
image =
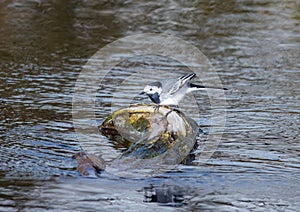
<point x="253" y="45"/>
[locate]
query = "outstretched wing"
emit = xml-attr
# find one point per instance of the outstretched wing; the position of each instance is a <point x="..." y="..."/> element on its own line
<point x="181" y="81"/>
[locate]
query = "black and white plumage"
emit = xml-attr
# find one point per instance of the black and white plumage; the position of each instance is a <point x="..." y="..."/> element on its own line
<point x="172" y="91"/>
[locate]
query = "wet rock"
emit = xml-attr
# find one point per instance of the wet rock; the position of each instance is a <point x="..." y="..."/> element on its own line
<point x="164" y="132"/>
<point x="151" y="136"/>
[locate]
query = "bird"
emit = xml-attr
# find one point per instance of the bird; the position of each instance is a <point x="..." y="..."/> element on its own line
<point x="171" y="91"/>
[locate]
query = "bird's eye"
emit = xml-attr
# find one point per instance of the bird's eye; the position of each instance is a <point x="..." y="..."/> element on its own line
<point x="151" y="89"/>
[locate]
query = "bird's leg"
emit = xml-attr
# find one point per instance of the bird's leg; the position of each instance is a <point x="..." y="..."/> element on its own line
<point x="156" y="108"/>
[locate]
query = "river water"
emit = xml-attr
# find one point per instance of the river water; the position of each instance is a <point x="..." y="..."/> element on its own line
<point x="253" y="45"/>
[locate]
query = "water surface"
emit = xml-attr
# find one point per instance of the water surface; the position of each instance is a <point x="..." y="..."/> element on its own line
<point x="254" y="46"/>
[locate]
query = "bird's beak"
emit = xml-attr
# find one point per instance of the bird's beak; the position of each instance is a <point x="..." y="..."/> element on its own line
<point x="142" y="93"/>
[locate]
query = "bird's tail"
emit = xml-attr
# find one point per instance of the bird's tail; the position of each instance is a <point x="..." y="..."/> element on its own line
<point x="201" y="87"/>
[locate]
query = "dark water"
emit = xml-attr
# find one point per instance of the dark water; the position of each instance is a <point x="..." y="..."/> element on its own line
<point x="253" y="45"/>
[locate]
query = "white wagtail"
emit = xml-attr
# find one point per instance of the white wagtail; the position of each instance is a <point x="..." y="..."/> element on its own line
<point x="172" y="91"/>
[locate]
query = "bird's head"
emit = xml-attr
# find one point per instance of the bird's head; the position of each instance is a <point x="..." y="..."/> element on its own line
<point x="152" y="89"/>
